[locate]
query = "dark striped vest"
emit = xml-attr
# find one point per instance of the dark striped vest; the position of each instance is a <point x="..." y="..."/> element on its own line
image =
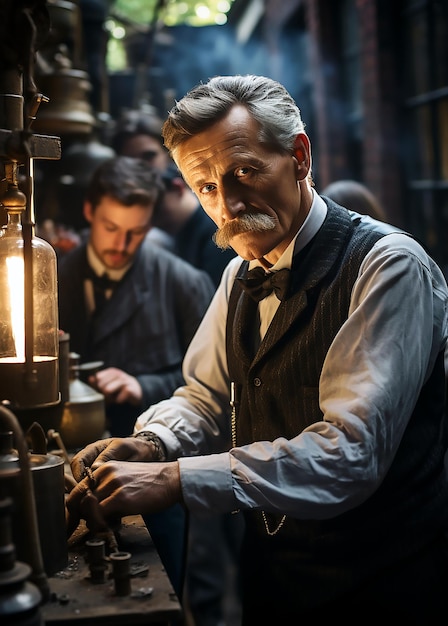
<point x="309" y="562"/>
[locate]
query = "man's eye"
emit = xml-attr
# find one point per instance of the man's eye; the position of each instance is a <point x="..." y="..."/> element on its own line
<point x="240" y="172"/>
<point x="207" y="188"/>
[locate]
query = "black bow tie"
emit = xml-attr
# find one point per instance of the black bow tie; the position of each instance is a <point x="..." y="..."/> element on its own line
<point x="259" y="284"/>
<point x="101" y="286"/>
<point x="103" y="282"/>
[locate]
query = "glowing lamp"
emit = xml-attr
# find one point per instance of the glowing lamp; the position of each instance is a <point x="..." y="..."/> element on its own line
<point x="29" y="342"/>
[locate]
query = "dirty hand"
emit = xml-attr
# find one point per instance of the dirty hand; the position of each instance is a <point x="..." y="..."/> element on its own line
<point x="117" y="386"/>
<point x="112" y="449"/>
<point x="122" y="488"/>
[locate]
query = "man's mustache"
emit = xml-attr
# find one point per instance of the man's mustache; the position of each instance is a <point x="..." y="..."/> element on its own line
<point x="247" y="222"/>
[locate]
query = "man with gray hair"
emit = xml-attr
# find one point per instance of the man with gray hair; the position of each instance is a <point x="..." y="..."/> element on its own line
<point x="314" y="395"/>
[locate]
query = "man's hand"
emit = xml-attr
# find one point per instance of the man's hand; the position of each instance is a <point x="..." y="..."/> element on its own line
<point x="112" y="449"/>
<point x="117" y="386"/>
<point x="124" y="488"/>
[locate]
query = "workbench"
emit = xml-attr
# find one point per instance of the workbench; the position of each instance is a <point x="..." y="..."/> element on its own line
<point x="76" y="600"/>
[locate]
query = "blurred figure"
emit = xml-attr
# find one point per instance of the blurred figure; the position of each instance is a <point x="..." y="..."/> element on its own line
<point x="138" y="134"/>
<point x="135" y="307"/>
<point x="154" y="300"/>
<point x="356" y="197"/>
<point x="191" y="228"/>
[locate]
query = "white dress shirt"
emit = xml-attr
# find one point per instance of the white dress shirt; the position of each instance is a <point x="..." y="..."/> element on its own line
<point x="100" y="269"/>
<point x="370" y="381"/>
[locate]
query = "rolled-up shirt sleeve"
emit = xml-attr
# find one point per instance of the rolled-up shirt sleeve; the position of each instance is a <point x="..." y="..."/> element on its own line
<point x="370" y="382"/>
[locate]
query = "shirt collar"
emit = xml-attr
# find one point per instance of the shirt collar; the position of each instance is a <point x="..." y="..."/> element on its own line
<point x="306" y="232"/>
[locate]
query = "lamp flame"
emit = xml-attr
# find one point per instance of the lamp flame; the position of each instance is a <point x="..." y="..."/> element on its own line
<point x="16" y="278"/>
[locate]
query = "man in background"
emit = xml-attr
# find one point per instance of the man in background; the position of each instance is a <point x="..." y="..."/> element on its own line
<point x="355" y="196"/>
<point x="138" y="134"/>
<point x="128" y="303"/>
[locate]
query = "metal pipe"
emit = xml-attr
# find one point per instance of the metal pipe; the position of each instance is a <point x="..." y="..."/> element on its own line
<point x="34" y="551"/>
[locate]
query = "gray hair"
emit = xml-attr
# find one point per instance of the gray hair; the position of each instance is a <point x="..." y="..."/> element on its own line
<point x="267" y="101"/>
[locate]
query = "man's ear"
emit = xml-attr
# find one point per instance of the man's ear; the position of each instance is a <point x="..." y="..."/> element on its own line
<point x="88" y="211"/>
<point x="302" y="154"/>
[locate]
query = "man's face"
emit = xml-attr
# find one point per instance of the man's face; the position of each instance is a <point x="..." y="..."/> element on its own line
<point x="233" y="174"/>
<point x="117" y="231"/>
<point x="147" y="148"/>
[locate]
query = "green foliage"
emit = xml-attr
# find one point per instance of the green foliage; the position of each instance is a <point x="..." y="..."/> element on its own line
<point x="172" y="12"/>
<point x="128" y="16"/>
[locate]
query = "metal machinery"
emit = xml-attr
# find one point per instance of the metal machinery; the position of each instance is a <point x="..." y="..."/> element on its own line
<point x="29" y="377"/>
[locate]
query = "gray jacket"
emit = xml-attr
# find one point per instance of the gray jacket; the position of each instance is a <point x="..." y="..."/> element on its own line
<point x="145" y="327"/>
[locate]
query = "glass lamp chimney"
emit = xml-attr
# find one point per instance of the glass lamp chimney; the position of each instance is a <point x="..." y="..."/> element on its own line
<point x="29" y="374"/>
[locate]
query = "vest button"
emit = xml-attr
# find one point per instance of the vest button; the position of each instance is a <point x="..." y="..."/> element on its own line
<point x="257" y="382"/>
